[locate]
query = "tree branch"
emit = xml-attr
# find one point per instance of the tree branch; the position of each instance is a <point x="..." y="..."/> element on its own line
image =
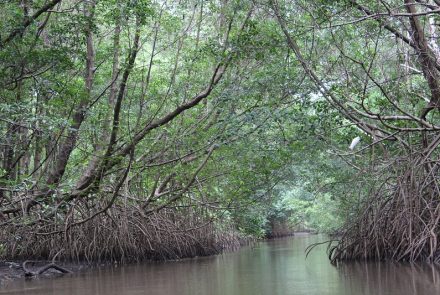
<point x="28" y="21"/>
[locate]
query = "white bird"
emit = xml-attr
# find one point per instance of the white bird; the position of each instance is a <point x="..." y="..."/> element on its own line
<point x="354" y="142"/>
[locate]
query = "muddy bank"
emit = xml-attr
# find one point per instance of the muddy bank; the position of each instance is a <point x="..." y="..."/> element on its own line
<point x="13" y="270"/>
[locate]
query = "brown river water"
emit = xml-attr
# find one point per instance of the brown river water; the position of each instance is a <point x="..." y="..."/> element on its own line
<point x="271" y="267"/>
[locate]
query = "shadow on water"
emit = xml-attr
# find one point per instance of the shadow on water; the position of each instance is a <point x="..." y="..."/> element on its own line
<point x="272" y="267"/>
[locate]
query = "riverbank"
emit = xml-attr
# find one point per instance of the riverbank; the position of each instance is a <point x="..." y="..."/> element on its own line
<point x="274" y="267"/>
<point x="14" y="270"/>
<point x="11" y="270"/>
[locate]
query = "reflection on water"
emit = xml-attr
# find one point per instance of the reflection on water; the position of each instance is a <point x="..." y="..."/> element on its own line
<point x="391" y="278"/>
<point x="273" y="267"/>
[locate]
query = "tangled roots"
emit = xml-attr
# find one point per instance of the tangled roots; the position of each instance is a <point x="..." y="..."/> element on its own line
<point x="122" y="236"/>
<point x="401" y="220"/>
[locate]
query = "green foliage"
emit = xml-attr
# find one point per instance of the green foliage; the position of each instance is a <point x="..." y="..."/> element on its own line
<point x="281" y="147"/>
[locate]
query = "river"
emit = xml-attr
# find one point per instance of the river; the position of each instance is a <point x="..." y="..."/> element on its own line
<point x="277" y="267"/>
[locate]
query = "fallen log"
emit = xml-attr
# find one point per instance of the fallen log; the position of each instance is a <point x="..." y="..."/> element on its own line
<point x="43" y="269"/>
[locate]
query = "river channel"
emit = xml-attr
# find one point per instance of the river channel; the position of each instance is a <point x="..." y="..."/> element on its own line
<point x="277" y="267"/>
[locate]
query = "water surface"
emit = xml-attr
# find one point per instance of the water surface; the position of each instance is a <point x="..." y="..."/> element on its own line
<point x="271" y="267"/>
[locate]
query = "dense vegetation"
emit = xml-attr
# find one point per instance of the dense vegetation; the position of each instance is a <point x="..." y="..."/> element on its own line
<point x="164" y="129"/>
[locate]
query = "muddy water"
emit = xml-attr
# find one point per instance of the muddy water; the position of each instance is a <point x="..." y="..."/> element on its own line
<point x="273" y="267"/>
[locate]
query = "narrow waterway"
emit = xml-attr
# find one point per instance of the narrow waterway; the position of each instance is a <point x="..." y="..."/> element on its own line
<point x="271" y="267"/>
